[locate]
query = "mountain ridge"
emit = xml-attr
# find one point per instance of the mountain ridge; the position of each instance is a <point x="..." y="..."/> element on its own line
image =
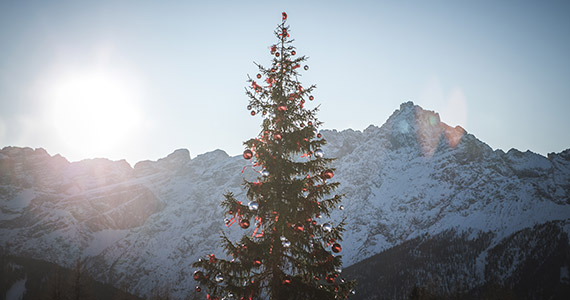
<point x="413" y="176"/>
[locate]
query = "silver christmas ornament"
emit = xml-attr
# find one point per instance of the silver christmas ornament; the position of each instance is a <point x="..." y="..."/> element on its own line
<point x="319" y="153"/>
<point x="253" y="205"/>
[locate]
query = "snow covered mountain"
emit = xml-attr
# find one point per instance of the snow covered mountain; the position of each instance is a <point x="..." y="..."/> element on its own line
<point x="410" y="179"/>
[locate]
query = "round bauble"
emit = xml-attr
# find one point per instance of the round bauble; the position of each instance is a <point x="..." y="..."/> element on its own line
<point x="198" y="275"/>
<point x="247" y="154"/>
<point x="336" y="248"/>
<point x="264" y="173"/>
<point x="319" y="153"/>
<point x="253" y="205"/>
<point x="258" y="76"/>
<point x="327" y="227"/>
<point x="219" y="278"/>
<point x="306" y="67"/>
<point x="244" y="223"/>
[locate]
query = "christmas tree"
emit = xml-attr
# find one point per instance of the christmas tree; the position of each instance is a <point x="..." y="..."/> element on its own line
<point x="289" y="250"/>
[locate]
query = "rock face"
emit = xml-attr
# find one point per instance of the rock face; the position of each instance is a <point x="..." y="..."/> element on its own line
<point x="410" y="179"/>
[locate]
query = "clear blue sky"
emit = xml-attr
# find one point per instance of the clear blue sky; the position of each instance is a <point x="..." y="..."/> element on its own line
<point x="173" y="72"/>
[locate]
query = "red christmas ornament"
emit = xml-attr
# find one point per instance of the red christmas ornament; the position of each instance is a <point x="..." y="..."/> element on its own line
<point x="244" y="223"/>
<point x="336" y="248"/>
<point x="281" y="108"/>
<point x="198" y="275"/>
<point x="247" y="154"/>
<point x="293" y="52"/>
<point x="273" y="49"/>
<point x="277" y="136"/>
<point x="311" y="98"/>
<point x="284" y="14"/>
<point x="328" y="174"/>
<point x="253" y="113"/>
<point x="310" y="123"/>
<point x="198" y="289"/>
<point x="212" y="258"/>
<point x="319" y="135"/>
<point x="286" y="281"/>
<point x="330" y="278"/>
<point x="299" y="227"/>
<point x="276" y="54"/>
<point x="258" y="76"/>
<point x="230" y="212"/>
<point x="257" y="262"/>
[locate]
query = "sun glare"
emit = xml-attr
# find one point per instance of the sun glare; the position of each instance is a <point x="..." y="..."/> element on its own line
<point x="93" y="112"/>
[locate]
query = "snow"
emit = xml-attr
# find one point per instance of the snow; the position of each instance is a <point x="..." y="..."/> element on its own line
<point x="102" y="240"/>
<point x="21" y="200"/>
<point x="401" y="181"/>
<point x="17" y="290"/>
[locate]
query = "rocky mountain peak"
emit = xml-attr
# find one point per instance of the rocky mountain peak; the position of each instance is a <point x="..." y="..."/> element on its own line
<point x="412" y="177"/>
<point x="412" y="126"/>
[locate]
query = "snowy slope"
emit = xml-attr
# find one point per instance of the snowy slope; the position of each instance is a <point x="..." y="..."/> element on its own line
<point x="145" y="225"/>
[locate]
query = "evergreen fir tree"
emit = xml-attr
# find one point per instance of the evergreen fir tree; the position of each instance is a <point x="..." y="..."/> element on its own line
<point x="293" y="252"/>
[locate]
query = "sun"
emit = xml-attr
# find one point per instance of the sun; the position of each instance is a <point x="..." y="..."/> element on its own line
<point x="93" y="111"/>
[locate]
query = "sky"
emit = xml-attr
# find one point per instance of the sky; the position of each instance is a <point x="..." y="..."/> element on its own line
<point x="137" y="80"/>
